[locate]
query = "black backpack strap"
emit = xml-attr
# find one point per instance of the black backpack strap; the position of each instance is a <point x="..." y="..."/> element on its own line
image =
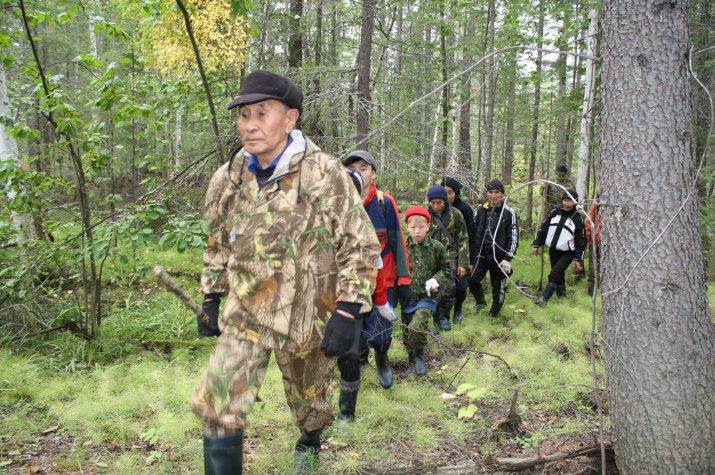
<point x="446" y="233"/>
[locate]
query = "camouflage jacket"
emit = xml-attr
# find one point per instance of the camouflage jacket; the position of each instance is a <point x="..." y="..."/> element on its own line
<point x="428" y="260"/>
<point x="289" y="252"/>
<point x="457" y="227"/>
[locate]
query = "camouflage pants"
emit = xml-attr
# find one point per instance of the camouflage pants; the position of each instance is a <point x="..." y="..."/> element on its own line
<point x="227" y="392"/>
<point x="414" y="335"/>
<point x="449" y="289"/>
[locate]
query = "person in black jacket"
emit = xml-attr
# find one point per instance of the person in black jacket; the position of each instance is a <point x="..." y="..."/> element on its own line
<point x="454" y="188"/>
<point x="564" y="233"/>
<point x="497" y="237"/>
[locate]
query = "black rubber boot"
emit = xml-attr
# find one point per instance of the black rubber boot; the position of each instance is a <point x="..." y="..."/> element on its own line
<point x="411" y="367"/>
<point x="348" y="399"/>
<point x="495" y="309"/>
<point x="223" y="455"/>
<point x="384" y="370"/>
<point x="444" y="319"/>
<point x="458" y="316"/>
<point x="420" y="364"/>
<point x="307" y="450"/>
<point x="561" y="292"/>
<point x="548" y="292"/>
<point x="437" y="327"/>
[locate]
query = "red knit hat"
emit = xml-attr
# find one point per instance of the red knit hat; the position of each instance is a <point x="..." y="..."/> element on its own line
<point x="417" y="210"/>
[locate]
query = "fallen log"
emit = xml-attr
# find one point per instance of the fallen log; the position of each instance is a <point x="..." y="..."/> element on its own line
<point x="520" y="464"/>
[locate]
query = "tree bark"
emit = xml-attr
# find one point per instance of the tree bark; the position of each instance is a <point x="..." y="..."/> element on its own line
<point x="658" y="338"/>
<point x="295" y="44"/>
<point x="363" y="85"/>
<point x="465" y="117"/>
<point x="511" y="109"/>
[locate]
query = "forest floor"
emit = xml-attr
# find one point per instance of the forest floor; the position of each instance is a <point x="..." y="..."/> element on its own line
<point x="120" y="404"/>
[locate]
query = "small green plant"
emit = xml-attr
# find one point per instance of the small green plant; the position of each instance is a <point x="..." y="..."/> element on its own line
<point x="528" y="442"/>
<point x="151" y="437"/>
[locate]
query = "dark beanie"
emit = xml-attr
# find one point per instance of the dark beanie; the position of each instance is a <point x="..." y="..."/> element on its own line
<point x="452" y="183"/>
<point x="495" y="185"/>
<point x="437" y="192"/>
<point x="565" y="195"/>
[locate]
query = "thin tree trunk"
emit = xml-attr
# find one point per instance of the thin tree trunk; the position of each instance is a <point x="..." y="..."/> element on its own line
<point x="363" y="85"/>
<point x="465" y="118"/>
<point x="535" y="118"/>
<point x="446" y="90"/>
<point x="511" y="109"/>
<point x="589" y="90"/>
<point x="658" y="338"/>
<point x="491" y="93"/>
<point x="207" y="89"/>
<point x="295" y="44"/>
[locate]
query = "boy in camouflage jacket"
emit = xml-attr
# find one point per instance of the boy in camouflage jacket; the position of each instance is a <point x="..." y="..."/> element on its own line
<point x="429" y="266"/>
<point x="457" y="247"/>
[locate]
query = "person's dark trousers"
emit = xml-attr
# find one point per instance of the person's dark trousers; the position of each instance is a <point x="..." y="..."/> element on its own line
<point x="560" y="261"/>
<point x="460" y="297"/>
<point x="484" y="265"/>
<point x="447" y="299"/>
<point x="594" y="258"/>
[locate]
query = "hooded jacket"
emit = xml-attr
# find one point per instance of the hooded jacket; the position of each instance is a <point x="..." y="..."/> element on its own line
<point x="454" y="223"/>
<point x="288" y="253"/>
<point x="468" y="215"/>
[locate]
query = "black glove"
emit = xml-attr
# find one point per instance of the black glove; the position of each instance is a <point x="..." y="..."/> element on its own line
<point x="210" y="308"/>
<point x="404" y="295"/>
<point x="339" y="336"/>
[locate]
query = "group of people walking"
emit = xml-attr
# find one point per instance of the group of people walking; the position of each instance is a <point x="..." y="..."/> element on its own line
<point x="312" y="270"/>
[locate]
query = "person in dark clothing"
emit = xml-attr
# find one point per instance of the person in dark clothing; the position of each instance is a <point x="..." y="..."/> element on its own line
<point x="564" y="233"/>
<point x="454" y="188"/>
<point x="497" y="236"/>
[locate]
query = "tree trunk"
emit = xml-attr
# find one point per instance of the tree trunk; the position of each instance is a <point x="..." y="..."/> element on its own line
<point x="363" y="85"/>
<point x="586" y="113"/>
<point x="465" y="118"/>
<point x="295" y="44"/>
<point x="9" y="151"/>
<point x="658" y="338"/>
<point x="446" y="90"/>
<point x="703" y="69"/>
<point x="207" y="89"/>
<point x="535" y="118"/>
<point x="491" y="86"/>
<point x="511" y="109"/>
<point x="178" y="139"/>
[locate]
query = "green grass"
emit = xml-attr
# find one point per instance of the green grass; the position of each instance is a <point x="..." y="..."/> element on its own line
<point x="110" y="391"/>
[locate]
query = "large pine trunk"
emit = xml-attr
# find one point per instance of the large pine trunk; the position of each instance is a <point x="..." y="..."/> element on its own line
<point x="658" y="339"/>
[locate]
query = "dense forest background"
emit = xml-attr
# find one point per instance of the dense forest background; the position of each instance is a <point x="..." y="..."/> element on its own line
<point x="117" y="115"/>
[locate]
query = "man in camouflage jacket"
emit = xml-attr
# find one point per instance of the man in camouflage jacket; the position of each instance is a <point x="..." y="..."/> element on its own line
<point x="457" y="246"/>
<point x="291" y="246"/>
<point x="429" y="269"/>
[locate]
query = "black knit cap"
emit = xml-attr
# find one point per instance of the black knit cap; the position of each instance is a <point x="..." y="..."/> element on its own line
<point x="562" y="169"/>
<point x="495" y="185"/>
<point x="452" y="183"/>
<point x="565" y="195"/>
<point x="260" y="86"/>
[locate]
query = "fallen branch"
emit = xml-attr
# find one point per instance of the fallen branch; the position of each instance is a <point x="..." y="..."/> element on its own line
<point x="525" y="463"/>
<point x="186" y="298"/>
<point x="27" y="335"/>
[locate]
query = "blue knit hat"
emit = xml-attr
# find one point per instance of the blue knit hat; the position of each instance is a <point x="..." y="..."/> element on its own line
<point x="437" y="192"/>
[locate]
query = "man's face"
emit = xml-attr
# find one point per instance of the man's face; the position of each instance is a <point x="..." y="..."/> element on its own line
<point x="264" y="128"/>
<point x="437" y="205"/>
<point x="367" y="173"/>
<point x="417" y="226"/>
<point x="495" y="196"/>
<point x="450" y="194"/>
<point x="568" y="204"/>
